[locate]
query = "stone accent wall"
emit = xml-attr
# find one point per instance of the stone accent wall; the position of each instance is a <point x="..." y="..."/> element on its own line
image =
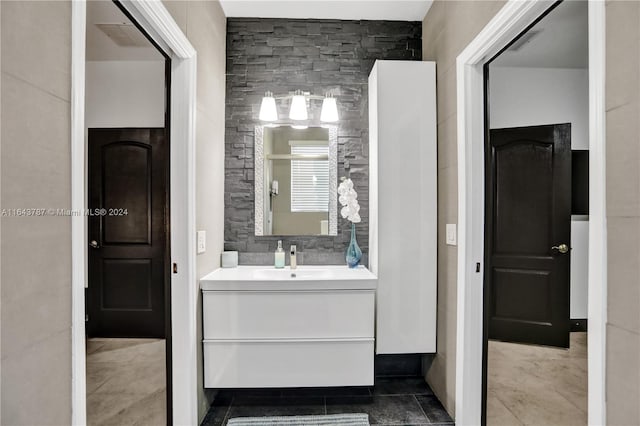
<point x="317" y="56"/>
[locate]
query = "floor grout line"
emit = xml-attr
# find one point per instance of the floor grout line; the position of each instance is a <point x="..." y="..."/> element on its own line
<point x="225" y="419"/>
<point x="421" y="409"/>
<point x="515" y="416"/>
<point x="98" y="388"/>
<point x="568" y="400"/>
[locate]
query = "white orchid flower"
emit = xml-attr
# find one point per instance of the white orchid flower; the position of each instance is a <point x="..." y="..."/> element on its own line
<point x="345" y="186"/>
<point x="349" y="200"/>
<point x="345" y="212"/>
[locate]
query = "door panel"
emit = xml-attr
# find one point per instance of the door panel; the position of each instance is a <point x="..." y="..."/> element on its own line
<point x="521" y="295"/>
<point x="522" y="202"/>
<point x="126" y="284"/>
<point x="127" y="266"/>
<point x="529" y="211"/>
<point x="127" y="165"/>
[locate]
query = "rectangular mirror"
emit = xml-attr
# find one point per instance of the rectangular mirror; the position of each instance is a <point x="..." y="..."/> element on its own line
<point x="295" y="180"/>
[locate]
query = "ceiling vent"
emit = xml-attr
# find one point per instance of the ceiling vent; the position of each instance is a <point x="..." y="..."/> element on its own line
<point x="523" y="40"/>
<point x="126" y="35"/>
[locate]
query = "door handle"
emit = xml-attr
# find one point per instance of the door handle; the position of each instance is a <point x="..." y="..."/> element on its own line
<point x="94" y="244"/>
<point x="562" y="248"/>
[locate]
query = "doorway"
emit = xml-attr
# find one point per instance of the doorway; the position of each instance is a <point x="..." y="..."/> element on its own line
<point x="155" y="20"/>
<point x="127" y="307"/>
<point x="514" y="18"/>
<point x="127" y="256"/>
<point x="537" y="111"/>
<point x="528" y="196"/>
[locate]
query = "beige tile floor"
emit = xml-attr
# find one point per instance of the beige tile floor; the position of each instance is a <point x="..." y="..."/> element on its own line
<point x="126" y="382"/>
<point x="537" y="385"/>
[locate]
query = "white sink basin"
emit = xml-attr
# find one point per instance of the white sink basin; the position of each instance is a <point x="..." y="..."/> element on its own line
<point x="305" y="277"/>
<point x="291" y="274"/>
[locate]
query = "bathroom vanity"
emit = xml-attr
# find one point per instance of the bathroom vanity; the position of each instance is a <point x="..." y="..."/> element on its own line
<point x="303" y="327"/>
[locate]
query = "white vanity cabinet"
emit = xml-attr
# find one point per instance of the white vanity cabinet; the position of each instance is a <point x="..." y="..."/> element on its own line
<point x="403" y="204"/>
<point x="275" y="330"/>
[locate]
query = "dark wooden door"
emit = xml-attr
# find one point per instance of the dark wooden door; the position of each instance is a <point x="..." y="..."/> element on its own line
<point x="127" y="238"/>
<point x="528" y="218"/>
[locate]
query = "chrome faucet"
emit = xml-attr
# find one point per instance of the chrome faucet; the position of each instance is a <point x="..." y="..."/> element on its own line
<point x="293" y="263"/>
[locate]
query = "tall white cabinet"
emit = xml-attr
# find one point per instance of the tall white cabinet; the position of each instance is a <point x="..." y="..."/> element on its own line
<point x="403" y="204"/>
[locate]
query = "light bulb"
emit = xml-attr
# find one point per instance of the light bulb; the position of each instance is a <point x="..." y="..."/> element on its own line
<point x="268" y="110"/>
<point x="298" y="109"/>
<point x="329" y="112"/>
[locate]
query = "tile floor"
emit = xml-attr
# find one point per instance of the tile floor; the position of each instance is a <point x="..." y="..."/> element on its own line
<point x="392" y="401"/>
<point x="528" y="385"/>
<point x="537" y="385"/>
<point x="126" y="382"/>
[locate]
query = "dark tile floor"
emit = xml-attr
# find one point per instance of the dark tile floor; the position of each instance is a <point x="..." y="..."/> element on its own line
<point x="392" y="401"/>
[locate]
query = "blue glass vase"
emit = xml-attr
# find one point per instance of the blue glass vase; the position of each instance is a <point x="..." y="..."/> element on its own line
<point x="354" y="254"/>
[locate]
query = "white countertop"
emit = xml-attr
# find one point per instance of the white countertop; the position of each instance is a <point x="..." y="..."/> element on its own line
<point x="304" y="277"/>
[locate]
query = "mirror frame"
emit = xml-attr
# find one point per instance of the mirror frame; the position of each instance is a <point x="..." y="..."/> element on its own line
<point x="258" y="183"/>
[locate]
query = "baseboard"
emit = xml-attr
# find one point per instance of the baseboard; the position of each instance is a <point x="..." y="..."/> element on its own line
<point x="578" y="325"/>
<point x="396" y="365"/>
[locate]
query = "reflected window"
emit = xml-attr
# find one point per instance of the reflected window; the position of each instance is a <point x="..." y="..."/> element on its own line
<point x="309" y="178"/>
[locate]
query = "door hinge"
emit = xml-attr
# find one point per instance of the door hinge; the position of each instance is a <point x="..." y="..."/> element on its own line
<point x="477" y="267"/>
<point x="175" y="268"/>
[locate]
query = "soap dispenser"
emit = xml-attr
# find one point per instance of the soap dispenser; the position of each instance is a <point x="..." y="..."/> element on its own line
<point x="279" y="255"/>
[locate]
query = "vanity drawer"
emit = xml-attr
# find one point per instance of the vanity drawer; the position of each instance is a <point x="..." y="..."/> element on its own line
<point x="288" y="314"/>
<point x="288" y="363"/>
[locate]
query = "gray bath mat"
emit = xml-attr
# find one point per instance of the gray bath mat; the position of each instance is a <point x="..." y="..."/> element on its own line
<point x="327" y="420"/>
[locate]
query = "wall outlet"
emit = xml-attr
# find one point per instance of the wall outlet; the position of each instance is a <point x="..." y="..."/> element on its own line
<point x="452" y="235"/>
<point x="202" y="241"/>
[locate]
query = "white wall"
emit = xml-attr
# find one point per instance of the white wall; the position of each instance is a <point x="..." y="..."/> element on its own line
<point x="125" y="94"/>
<point x="35" y="171"/>
<point x="579" y="270"/>
<point x="205" y="24"/>
<point x="537" y="96"/>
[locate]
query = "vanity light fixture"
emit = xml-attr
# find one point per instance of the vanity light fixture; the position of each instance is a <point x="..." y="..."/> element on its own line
<point x="329" y="113"/>
<point x="268" y="110"/>
<point x="298" y="110"/>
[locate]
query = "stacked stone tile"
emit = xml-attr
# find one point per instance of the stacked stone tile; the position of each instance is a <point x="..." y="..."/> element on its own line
<point x="317" y="56"/>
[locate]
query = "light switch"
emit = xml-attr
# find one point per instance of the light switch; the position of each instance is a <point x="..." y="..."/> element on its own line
<point x="452" y="237"/>
<point x="202" y="241"/>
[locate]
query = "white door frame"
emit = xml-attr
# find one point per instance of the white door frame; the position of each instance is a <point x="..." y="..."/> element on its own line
<point x="158" y="23"/>
<point x="510" y="21"/>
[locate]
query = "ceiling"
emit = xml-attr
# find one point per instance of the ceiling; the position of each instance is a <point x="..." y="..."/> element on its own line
<point x="112" y="37"/>
<point x="391" y="10"/>
<point x="561" y="40"/>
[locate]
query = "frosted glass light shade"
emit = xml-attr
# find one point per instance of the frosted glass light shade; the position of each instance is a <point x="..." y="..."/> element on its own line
<point x="298" y="109"/>
<point x="329" y="112"/>
<point x="268" y="110"/>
